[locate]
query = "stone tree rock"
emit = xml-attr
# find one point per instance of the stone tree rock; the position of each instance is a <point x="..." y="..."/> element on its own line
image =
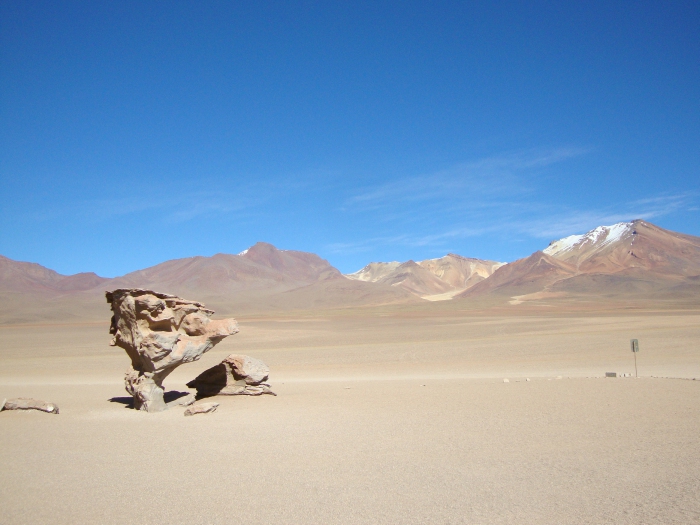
<point x="159" y="332"/>
<point x="235" y="375"/>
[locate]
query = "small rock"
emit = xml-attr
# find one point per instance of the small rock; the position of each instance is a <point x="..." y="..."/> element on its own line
<point x="22" y="403"/>
<point x="201" y="408"/>
<point x="506" y="381"/>
<point x="528" y="379"/>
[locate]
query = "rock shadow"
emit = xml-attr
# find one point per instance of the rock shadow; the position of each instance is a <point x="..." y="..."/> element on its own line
<point x="168" y="397"/>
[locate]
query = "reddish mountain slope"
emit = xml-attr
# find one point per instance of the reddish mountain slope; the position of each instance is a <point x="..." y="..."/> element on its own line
<point x="635" y="260"/>
<point x="260" y="279"/>
<point x="523" y="276"/>
<point x="633" y="245"/>
<point x="261" y="267"/>
<point x="19" y="276"/>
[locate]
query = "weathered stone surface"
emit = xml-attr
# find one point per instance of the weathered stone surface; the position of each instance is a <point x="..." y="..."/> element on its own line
<point x="184" y="401"/>
<point x="201" y="408"/>
<point x="23" y="403"/>
<point x="235" y="375"/>
<point x="159" y="332"/>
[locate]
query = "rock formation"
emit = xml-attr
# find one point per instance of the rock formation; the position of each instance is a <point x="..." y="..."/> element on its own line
<point x="159" y="332"/>
<point x="24" y="403"/>
<point x="235" y="375"/>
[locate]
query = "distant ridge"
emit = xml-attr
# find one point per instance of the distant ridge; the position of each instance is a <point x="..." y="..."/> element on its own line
<point x="627" y="263"/>
<point x="19" y="276"/>
<point x="262" y="278"/>
<point x="432" y="279"/>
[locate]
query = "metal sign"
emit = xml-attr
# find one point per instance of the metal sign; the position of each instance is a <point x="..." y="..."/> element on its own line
<point x="635" y="348"/>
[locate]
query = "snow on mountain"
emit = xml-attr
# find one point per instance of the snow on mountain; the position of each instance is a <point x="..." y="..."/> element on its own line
<point x="597" y="238"/>
<point x="628" y="261"/>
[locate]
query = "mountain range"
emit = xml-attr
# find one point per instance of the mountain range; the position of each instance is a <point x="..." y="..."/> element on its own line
<point x="632" y="261"/>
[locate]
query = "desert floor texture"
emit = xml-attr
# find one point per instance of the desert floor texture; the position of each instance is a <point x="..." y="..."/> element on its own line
<point x="382" y="416"/>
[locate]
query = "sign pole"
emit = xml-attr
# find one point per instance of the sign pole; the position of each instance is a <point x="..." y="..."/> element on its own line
<point x="634" y="343"/>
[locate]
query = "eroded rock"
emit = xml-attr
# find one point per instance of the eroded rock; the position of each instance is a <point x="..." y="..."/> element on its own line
<point x="159" y="332"/>
<point x="201" y="408"/>
<point x="235" y="375"/>
<point x="25" y="403"/>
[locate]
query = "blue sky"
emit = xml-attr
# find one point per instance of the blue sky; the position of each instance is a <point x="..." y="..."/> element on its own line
<point x="136" y="132"/>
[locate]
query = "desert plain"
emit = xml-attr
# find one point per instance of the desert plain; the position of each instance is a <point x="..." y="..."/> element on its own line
<point x="396" y="414"/>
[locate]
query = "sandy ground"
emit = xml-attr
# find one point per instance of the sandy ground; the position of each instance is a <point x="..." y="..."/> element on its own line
<point x="389" y="418"/>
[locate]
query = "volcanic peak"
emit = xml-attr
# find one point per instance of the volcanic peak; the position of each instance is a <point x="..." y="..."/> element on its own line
<point x="598" y="238"/>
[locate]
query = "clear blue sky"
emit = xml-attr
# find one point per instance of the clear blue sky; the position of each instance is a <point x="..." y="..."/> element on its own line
<point x="136" y="132"/>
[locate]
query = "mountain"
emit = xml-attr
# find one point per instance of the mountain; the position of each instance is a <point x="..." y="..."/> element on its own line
<point x="374" y="271"/>
<point x="631" y="263"/>
<point x="416" y="279"/>
<point x="18" y="276"/>
<point x="524" y="276"/>
<point x="261" y="278"/>
<point x="260" y="267"/>
<point x="630" y="260"/>
<point x="433" y="279"/>
<point x="630" y="245"/>
<point x="460" y="272"/>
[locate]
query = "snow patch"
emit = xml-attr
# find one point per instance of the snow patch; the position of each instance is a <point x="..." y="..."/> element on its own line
<point x="598" y="237"/>
<point x="244" y="251"/>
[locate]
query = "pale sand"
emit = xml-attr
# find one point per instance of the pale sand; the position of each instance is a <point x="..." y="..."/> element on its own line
<point x="355" y="437"/>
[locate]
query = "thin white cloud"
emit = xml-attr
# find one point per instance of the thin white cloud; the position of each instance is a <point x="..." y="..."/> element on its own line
<point x="479" y="181"/>
<point x="529" y="220"/>
<point x="562" y="223"/>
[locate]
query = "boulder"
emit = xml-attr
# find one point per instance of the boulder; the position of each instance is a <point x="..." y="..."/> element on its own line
<point x="235" y="376"/>
<point x="159" y="332"/>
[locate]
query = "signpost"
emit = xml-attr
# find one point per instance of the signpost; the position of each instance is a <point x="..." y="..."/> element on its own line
<point x="635" y="348"/>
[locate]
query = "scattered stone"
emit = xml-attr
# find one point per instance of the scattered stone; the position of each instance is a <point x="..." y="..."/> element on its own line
<point x="23" y="403"/>
<point x="183" y="401"/>
<point x="610" y="374"/>
<point x="159" y="332"/>
<point x="201" y="408"/>
<point x="237" y="375"/>
<point x="506" y="381"/>
<point x="527" y="379"/>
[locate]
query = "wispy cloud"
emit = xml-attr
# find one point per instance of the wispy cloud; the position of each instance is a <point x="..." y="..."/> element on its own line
<point x="480" y="180"/>
<point x="496" y="196"/>
<point x="175" y="203"/>
<point x="563" y="222"/>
